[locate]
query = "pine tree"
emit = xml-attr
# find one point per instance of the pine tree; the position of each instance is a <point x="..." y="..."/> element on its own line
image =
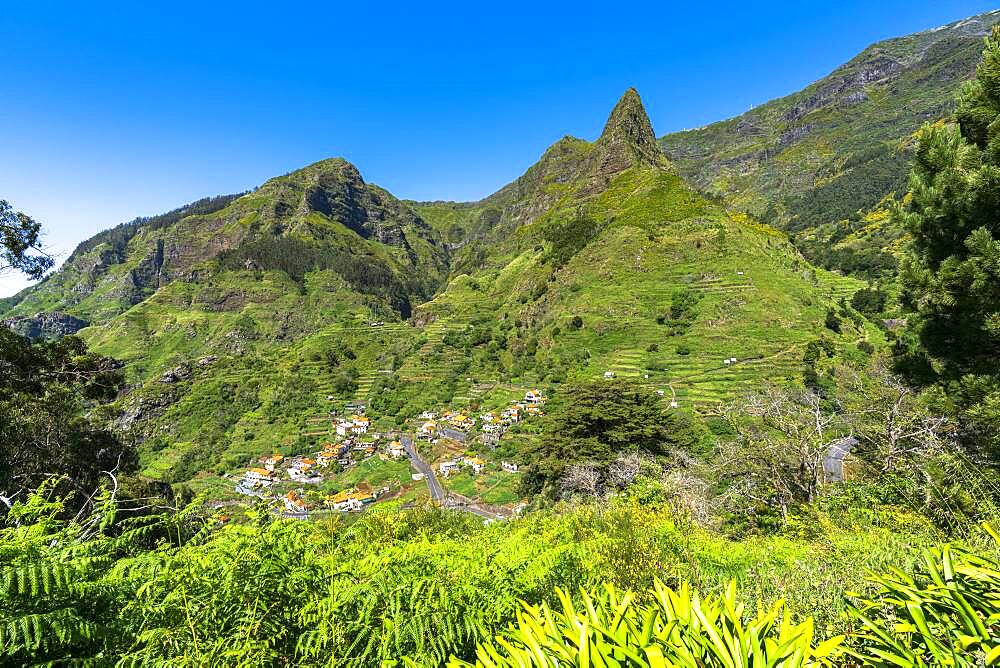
<point x="951" y="275"/>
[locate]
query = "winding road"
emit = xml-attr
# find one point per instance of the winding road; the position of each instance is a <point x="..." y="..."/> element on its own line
<point x="438" y="492"/>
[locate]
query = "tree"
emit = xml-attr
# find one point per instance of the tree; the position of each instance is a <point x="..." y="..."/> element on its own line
<point x="20" y="247"/>
<point x="777" y="458"/>
<point x="894" y="427"/>
<point x="49" y="427"/>
<point x="949" y="275"/>
<point x="591" y="423"/>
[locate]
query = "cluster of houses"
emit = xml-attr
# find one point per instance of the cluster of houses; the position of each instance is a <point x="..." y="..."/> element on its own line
<point x="353" y="499"/>
<point x="309" y="470"/>
<point x="493" y="425"/>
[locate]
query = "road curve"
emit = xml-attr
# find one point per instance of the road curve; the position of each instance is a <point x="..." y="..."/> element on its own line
<point x="438" y="492"/>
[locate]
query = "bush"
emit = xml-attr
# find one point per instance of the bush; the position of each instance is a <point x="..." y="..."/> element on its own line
<point x="945" y="614"/>
<point x="683" y="349"/>
<point x="576" y="322"/>
<point x="679" y="628"/>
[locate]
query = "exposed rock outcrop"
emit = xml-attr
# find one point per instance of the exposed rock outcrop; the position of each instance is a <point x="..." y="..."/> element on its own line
<point x="45" y="325"/>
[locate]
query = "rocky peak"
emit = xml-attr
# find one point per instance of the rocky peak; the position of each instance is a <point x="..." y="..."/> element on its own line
<point x="628" y="138"/>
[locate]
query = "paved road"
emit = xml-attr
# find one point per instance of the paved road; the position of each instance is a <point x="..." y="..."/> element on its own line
<point x="437" y="490"/>
<point x="833" y="461"/>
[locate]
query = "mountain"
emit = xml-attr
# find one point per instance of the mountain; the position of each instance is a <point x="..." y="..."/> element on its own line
<point x="243" y="320"/>
<point x="840" y="145"/>
<point x="323" y="216"/>
<point x="601" y="258"/>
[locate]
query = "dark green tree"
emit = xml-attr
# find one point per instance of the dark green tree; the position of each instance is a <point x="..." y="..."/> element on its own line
<point x="951" y="275"/>
<point x="593" y="422"/>
<point x="20" y="246"/>
<point x="50" y="393"/>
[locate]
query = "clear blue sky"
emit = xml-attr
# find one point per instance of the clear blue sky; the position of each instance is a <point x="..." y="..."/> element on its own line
<point x="111" y="111"/>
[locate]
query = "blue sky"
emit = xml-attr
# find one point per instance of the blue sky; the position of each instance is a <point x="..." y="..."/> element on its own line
<point x="110" y="111"/>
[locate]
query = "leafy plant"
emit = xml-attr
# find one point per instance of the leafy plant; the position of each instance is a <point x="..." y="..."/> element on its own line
<point x="679" y="628"/>
<point x="945" y="614"/>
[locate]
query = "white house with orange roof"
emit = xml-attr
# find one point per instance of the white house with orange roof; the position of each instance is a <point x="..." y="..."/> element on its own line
<point x="396" y="450"/>
<point x="534" y="397"/>
<point x="295" y="503"/>
<point x="272" y="461"/>
<point x="475" y="463"/>
<point x="258" y="477"/>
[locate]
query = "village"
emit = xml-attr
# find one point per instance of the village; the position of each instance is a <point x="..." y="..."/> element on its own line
<point x="297" y="486"/>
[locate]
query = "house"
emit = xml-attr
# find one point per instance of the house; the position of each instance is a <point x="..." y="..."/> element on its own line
<point x="511" y="414"/>
<point x="271" y="461"/>
<point x="360" y="425"/>
<point x="294" y="503"/>
<point x="327" y="456"/>
<point x="535" y="409"/>
<point x="343" y="427"/>
<point x="461" y="421"/>
<point x="447" y="468"/>
<point x="609" y="375"/>
<point x="510" y="467"/>
<point x="475" y="463"/>
<point x="396" y="450"/>
<point x="534" y="397"/>
<point x="428" y="429"/>
<point x="352" y="499"/>
<point x="339" y="501"/>
<point x="258" y="477"/>
<point x="301" y="470"/>
<point x="427" y="415"/>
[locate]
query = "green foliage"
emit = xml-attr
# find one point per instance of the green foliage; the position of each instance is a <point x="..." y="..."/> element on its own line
<point x="48" y="395"/>
<point x="19" y="243"/>
<point x="566" y="237"/>
<point x="868" y="301"/>
<point x="297" y="257"/>
<point x="948" y="277"/>
<point x="682" y="312"/>
<point x="592" y="423"/>
<point x="947" y="613"/>
<point x="679" y="628"/>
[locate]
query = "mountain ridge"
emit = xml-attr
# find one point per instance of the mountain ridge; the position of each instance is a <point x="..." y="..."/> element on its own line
<point x="839" y="145"/>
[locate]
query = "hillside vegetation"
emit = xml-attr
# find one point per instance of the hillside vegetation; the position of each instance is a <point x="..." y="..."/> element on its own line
<point x="819" y="156"/>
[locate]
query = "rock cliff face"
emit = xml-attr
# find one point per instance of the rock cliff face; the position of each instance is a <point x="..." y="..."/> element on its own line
<point x="627" y="139"/>
<point x="579" y="169"/>
<point x="45" y="325"/>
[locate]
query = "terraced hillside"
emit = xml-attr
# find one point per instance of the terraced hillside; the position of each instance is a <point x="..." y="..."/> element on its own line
<point x="634" y="273"/>
<point x="246" y="326"/>
<point x="840" y="145"/>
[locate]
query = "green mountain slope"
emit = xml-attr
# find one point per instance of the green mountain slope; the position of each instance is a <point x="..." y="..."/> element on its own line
<point x="244" y="322"/>
<point x="237" y="322"/>
<point x="322" y="216"/>
<point x="602" y="259"/>
<point x="838" y="146"/>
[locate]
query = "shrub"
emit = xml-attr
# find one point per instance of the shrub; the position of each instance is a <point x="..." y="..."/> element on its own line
<point x="679" y="628"/>
<point x="945" y="614"/>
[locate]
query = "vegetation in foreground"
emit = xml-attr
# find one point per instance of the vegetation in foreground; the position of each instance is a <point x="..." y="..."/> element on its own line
<point x="190" y="588"/>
